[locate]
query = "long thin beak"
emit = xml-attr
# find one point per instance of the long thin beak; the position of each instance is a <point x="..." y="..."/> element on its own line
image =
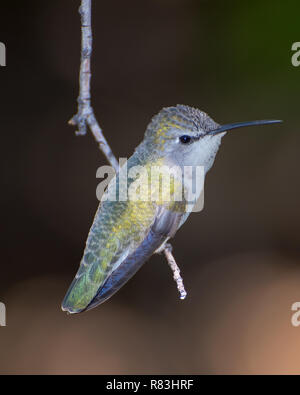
<point x="230" y="126"/>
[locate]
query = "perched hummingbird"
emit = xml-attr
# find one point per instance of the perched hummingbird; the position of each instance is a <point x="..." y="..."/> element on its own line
<point x="125" y="233"/>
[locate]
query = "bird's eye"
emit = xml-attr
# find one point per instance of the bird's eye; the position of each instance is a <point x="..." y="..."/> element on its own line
<point x="185" y="139"/>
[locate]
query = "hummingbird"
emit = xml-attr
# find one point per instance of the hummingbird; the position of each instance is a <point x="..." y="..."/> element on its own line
<point x="126" y="232"/>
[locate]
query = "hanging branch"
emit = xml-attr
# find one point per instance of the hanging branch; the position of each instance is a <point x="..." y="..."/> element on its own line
<point x="85" y="117"/>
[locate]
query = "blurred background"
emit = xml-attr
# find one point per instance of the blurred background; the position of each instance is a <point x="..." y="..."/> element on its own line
<point x="240" y="257"/>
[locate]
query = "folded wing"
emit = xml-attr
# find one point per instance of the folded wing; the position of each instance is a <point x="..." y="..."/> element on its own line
<point x="112" y="257"/>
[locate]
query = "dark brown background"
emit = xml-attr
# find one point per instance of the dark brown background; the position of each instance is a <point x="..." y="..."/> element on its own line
<point x="239" y="257"/>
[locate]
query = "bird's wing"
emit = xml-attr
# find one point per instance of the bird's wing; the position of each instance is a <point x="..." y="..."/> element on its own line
<point x="110" y="259"/>
<point x="164" y="227"/>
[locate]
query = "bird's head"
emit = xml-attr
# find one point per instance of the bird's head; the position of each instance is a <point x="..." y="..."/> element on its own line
<point x="188" y="136"/>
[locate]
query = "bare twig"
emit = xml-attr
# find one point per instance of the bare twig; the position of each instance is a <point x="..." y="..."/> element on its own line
<point x="85" y="115"/>
<point x="175" y="269"/>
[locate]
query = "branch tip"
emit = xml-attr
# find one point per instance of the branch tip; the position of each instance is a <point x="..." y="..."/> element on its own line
<point x="176" y="271"/>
